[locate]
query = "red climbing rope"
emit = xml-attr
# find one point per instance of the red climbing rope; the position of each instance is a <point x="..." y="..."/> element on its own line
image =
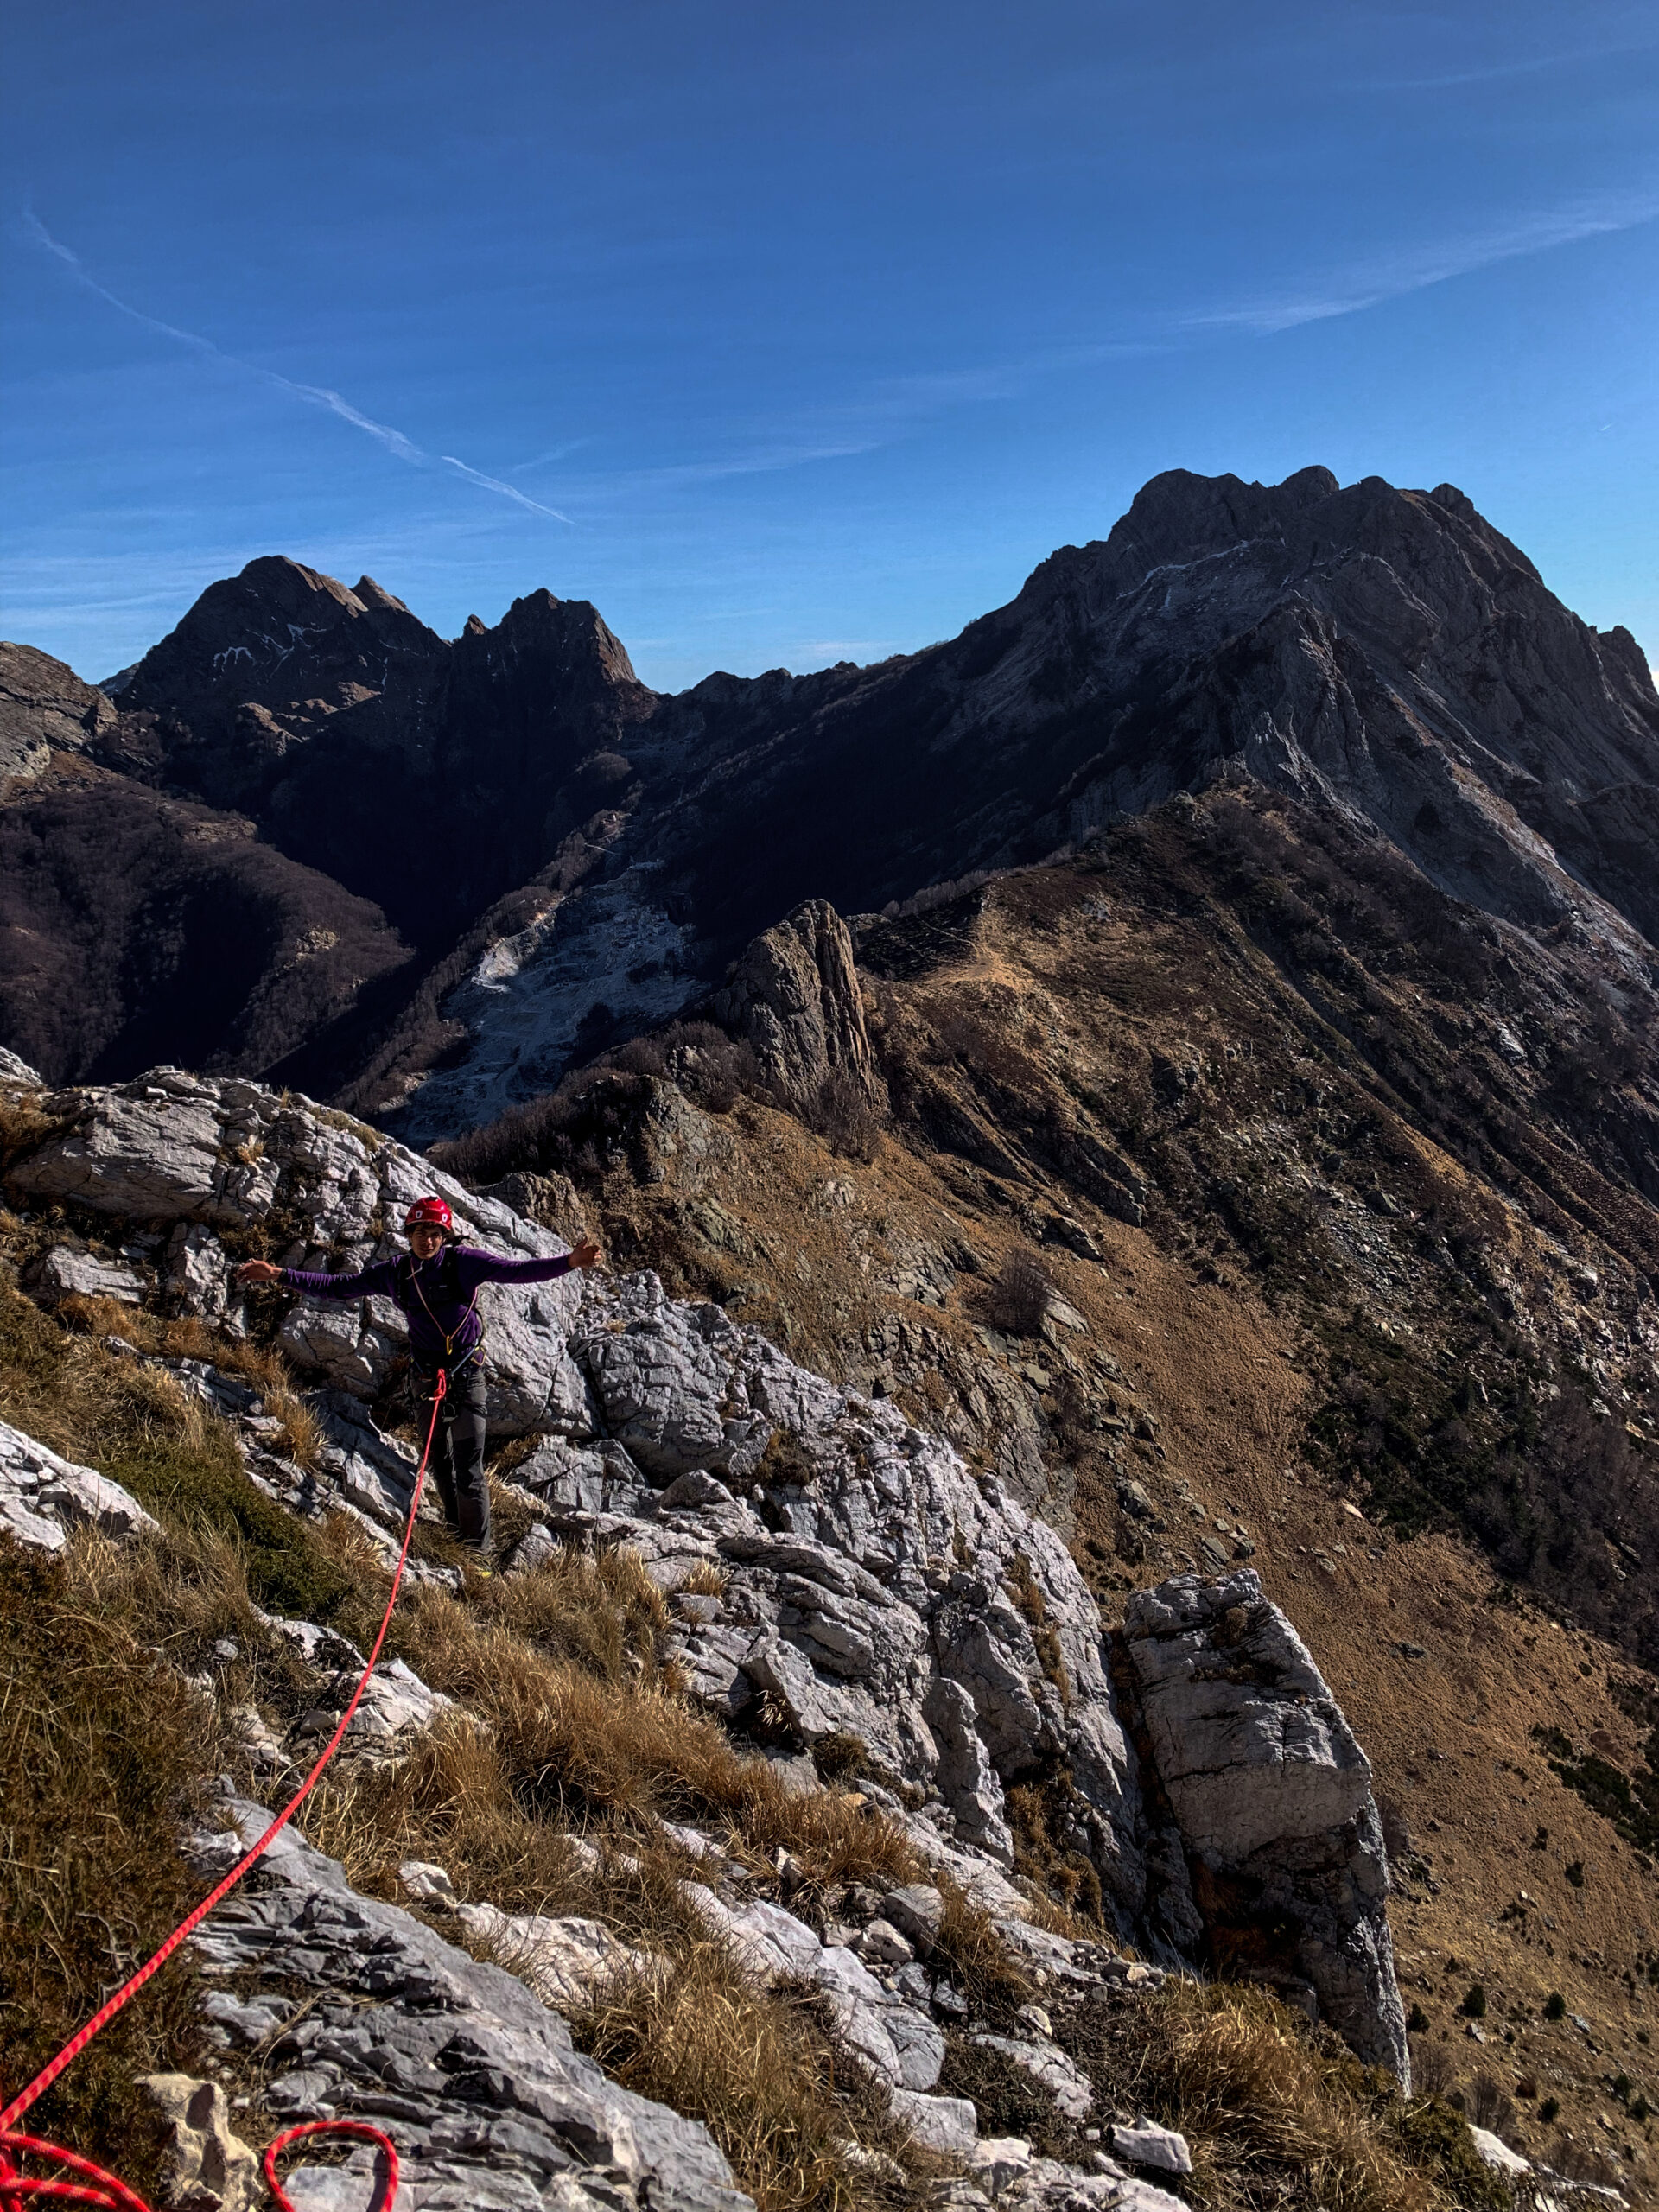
<point x="357" y="2127"/>
<point x="94" y="2186"/>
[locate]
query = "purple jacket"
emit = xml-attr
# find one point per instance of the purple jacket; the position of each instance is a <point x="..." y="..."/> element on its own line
<point x="439" y="1295"/>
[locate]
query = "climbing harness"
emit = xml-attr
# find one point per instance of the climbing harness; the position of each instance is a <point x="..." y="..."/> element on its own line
<point x="91" y="2184"/>
<point x="472" y="1350"/>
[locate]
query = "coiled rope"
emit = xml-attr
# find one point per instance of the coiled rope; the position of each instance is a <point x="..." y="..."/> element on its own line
<point x="91" y="2185"/>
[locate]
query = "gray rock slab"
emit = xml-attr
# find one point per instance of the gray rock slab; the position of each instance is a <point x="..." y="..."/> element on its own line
<point x="64" y="1273"/>
<point x="43" y="1496"/>
<point x="1146" y="2143"/>
<point x="475" y="2080"/>
<point x="948" y="2124"/>
<point x="1047" y="2186"/>
<point x="564" y="1958"/>
<point x="899" y="2043"/>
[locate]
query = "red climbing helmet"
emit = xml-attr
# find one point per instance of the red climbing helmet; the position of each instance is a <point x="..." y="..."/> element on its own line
<point x="432" y="1211"/>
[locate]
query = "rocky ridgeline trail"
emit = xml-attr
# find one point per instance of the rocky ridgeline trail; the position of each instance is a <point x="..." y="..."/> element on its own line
<point x="838" y="1577"/>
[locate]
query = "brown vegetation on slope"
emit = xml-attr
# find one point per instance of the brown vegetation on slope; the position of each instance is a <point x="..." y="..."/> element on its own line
<point x="1379" y="1327"/>
<point x="571" y="1723"/>
<point x="139" y="928"/>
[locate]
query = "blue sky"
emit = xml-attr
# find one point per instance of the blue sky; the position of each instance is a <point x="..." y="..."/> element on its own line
<point x="790" y="335"/>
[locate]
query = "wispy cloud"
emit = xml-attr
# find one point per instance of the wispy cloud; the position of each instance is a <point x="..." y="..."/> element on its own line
<point x="1413" y="269"/>
<point x="1494" y="72"/>
<point x="393" y="441"/>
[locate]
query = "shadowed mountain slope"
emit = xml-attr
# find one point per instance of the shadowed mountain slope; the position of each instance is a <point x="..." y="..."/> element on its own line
<point x="575" y="856"/>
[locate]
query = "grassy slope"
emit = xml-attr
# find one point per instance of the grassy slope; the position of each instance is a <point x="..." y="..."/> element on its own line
<point x="108" y="1742"/>
<point x="1251" y="1023"/>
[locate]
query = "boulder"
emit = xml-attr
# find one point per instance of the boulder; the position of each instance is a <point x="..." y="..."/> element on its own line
<point x="427" y="1884"/>
<point x="1273" y="1795"/>
<point x="1146" y="2143"/>
<point x="946" y="2124"/>
<point x="997" y="2160"/>
<point x="661" y="1389"/>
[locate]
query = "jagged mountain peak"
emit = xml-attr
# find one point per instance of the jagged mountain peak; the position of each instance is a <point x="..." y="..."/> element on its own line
<point x="373" y="594"/>
<point x="1386" y="652"/>
<point x="278" y="632"/>
<point x="572" y="629"/>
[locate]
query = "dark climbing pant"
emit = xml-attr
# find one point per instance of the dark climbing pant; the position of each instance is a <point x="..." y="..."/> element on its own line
<point x="457" y="1448"/>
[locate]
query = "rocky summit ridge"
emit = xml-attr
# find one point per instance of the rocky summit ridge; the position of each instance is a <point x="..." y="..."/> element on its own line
<point x="874" y="1588"/>
<point x="608" y="850"/>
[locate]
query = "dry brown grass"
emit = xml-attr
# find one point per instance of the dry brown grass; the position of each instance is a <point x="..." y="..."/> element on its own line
<point x="300" y="1437"/>
<point x="785" y="2105"/>
<point x="22" y="1127"/>
<point x="188" y="1337"/>
<point x="1274" y="2115"/>
<point x="101" y="1749"/>
<point x="1251" y="2094"/>
<point x="705" y="1581"/>
<point x="186" y="1592"/>
<point x="565" y="1667"/>
<point x="137" y="1424"/>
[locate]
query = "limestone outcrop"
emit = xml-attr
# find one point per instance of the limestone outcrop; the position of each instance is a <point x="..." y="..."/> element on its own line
<point x="185" y="1158"/>
<point x="794" y="996"/>
<point x="830" y="1564"/>
<point x="43" y="1496"/>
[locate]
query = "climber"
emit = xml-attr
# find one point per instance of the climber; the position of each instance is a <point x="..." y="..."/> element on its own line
<point x="436" y="1284"/>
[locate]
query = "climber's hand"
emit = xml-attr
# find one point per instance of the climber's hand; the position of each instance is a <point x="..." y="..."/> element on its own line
<point x="584" y="1253"/>
<point x="257" y="1271"/>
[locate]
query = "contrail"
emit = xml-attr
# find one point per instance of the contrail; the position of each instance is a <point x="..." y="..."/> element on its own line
<point x="314" y="395"/>
<point x="508" y="490"/>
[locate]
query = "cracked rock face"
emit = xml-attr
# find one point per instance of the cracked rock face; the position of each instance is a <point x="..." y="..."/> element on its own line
<point x="479" y="2086"/>
<point x="172" y="1149"/>
<point x="866" y="1586"/>
<point x="794" y="996"/>
<point x="1273" y="1794"/>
